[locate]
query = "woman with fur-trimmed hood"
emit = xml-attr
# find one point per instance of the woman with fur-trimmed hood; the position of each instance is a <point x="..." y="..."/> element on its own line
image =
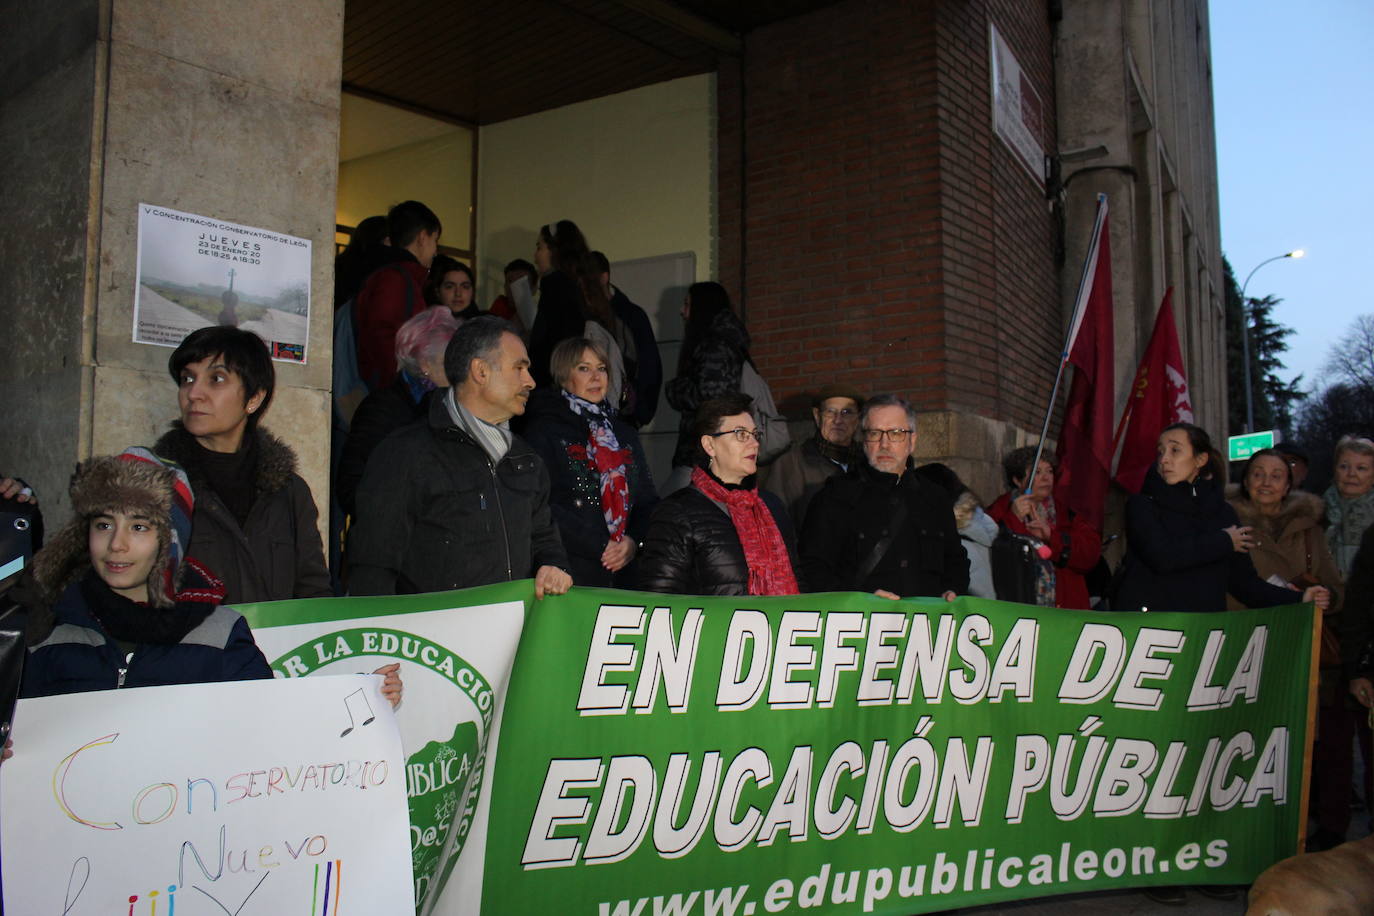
<point x="1290" y="548"/>
<point x="118" y="602"/>
<point x="1289" y="544"/>
<point x="256" y="522"/>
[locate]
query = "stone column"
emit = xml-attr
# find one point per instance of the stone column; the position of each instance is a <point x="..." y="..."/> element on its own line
<point x="226" y="110"/>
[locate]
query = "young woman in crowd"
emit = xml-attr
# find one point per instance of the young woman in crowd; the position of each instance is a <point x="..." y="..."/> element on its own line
<point x="601" y="490"/>
<point x="1185" y="548"/>
<point x="451" y="284"/>
<point x="420" y="345"/>
<point x="721" y="535"/>
<point x="715" y="346"/>
<point x="120" y="604"/>
<point x="1028" y="509"/>
<point x="115" y="602"/>
<point x="573" y="304"/>
<point x="255" y="521"/>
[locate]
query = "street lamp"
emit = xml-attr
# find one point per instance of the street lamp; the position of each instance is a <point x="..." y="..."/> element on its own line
<point x="1245" y="334"/>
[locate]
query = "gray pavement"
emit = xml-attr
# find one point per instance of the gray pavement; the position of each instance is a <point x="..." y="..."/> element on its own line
<point x="1124" y="903"/>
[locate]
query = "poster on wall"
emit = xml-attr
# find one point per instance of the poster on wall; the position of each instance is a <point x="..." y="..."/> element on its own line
<point x="195" y="271"/>
<point x="1018" y="115"/>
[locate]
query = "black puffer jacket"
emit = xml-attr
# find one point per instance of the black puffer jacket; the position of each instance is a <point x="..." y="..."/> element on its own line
<point x="1357" y="636"/>
<point x="1179" y="558"/>
<point x="433" y="514"/>
<point x="692" y="547"/>
<point x="852" y="513"/>
<point x="381" y="413"/>
<point x="712" y="369"/>
<point x="277" y="553"/>
<point x="552" y="429"/>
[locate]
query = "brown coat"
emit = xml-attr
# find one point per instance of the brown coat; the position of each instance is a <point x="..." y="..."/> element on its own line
<point x="1290" y="543"/>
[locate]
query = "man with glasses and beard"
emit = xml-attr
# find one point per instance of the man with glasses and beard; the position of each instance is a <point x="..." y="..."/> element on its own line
<point x="881" y="528"/>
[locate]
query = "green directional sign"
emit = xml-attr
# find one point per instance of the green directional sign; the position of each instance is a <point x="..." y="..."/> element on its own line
<point x="1241" y="447"/>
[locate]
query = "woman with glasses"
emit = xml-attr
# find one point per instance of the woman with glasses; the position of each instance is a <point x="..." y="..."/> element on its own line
<point x="1072" y="547"/>
<point x="600" y="489"/>
<point x="721" y="534"/>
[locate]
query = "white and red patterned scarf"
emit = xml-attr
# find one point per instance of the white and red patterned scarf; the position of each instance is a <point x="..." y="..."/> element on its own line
<point x="765" y="552"/>
<point x="604" y="455"/>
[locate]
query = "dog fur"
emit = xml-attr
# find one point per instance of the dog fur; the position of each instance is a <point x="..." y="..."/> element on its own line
<point x="1338" y="882"/>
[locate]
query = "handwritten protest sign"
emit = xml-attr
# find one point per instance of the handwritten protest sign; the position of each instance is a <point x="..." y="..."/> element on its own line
<point x="455" y="650"/>
<point x="253" y="797"/>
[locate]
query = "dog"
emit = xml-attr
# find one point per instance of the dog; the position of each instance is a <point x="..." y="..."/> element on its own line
<point x="1338" y="882"/>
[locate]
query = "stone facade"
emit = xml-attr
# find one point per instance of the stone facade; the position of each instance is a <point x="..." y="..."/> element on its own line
<point x="107" y="104"/>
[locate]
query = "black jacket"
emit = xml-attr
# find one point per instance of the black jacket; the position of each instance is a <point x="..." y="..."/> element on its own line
<point x="80" y="656"/>
<point x="434" y="514"/>
<point x="381" y="413"/>
<point x="648" y="375"/>
<point x="853" y="512"/>
<point x="1357" y="617"/>
<point x="277" y="553"/>
<point x="692" y="547"/>
<point x="552" y="428"/>
<point x="561" y="314"/>
<point x="1179" y="558"/>
<point x="712" y="369"/>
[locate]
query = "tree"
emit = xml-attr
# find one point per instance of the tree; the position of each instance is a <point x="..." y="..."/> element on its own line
<point x="1352" y="359"/>
<point x="1274" y="399"/>
<point x="1346" y="405"/>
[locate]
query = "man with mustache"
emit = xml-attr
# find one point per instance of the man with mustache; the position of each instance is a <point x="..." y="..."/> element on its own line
<point x="457" y="500"/>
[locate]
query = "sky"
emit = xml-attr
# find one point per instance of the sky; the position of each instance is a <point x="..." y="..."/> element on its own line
<point x="1293" y="85"/>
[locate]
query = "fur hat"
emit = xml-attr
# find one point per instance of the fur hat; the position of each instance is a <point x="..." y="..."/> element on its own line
<point x="136" y="482"/>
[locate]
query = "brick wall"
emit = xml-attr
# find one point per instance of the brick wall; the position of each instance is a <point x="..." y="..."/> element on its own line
<point x="884" y="236"/>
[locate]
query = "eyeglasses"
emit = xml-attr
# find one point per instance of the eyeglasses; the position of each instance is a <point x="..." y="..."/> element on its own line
<point x="892" y="435"/>
<point x="842" y="412"/>
<point x="740" y="433"/>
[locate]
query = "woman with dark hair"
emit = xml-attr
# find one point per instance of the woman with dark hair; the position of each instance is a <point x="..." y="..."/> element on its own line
<point x="601" y="491"/>
<point x="451" y="284"/>
<point x="721" y="535"/>
<point x="572" y="304"/>
<point x="1073" y="547"/>
<point x="420" y="344"/>
<point x="255" y="521"/>
<point x="1185" y="548"/>
<point x="715" y="347"/>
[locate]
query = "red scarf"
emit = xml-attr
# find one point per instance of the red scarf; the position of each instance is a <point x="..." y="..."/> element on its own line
<point x="765" y="553"/>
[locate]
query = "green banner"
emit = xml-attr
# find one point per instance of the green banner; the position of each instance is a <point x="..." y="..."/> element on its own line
<point x="845" y="754"/>
<point x="645" y="755"/>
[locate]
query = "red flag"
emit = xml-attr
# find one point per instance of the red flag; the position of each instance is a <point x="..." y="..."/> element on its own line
<point x="1159" y="397"/>
<point x="1085" y="441"/>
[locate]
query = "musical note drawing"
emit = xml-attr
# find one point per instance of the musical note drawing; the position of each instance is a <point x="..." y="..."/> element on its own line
<point x="349" y="705"/>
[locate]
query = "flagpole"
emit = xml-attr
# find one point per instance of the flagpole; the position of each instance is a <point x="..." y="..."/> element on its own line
<point x="1079" y="306"/>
